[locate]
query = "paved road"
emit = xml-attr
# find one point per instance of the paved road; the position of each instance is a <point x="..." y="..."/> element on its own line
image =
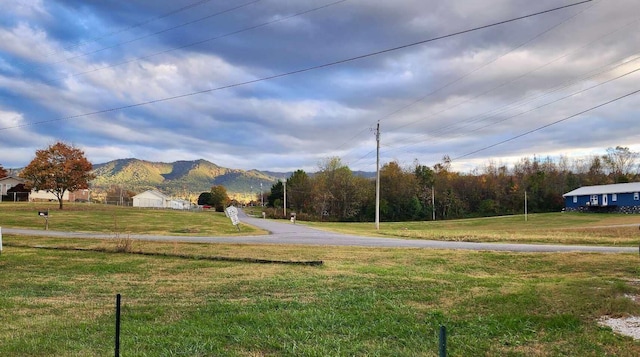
<point x="283" y="232"/>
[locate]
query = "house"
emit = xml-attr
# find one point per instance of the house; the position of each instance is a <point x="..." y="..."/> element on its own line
<point x="8" y="182"/>
<point x="151" y="198"/>
<point x="12" y="189"/>
<point x="621" y="197"/>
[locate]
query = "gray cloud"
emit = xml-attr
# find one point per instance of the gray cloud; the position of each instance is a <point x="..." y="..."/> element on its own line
<point x="61" y="60"/>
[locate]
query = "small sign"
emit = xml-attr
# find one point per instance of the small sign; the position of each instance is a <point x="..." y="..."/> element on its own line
<point x="232" y="213"/>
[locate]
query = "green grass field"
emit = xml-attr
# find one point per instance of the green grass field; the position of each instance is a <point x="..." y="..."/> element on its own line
<point x="83" y="217"/>
<point x="545" y="228"/>
<point x="360" y="302"/>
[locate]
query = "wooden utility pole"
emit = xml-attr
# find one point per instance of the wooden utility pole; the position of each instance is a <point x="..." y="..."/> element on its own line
<point x="284" y="207"/>
<point x="378" y="176"/>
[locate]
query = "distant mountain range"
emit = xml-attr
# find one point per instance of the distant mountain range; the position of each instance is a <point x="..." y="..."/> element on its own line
<point x="182" y="178"/>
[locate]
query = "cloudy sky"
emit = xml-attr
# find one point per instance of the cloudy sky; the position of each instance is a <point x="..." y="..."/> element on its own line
<point x="282" y="85"/>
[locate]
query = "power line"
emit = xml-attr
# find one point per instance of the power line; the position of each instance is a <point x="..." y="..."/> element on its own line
<point x="160" y="32"/>
<point x="131" y="27"/>
<point x="511" y="106"/>
<point x="547" y="125"/>
<point x="421" y="99"/>
<point x="479" y="68"/>
<point x="481" y="118"/>
<point x="303" y="70"/>
<point x="210" y="39"/>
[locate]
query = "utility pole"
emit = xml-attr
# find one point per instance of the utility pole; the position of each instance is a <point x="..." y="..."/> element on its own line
<point x="433" y="201"/>
<point x="378" y="176"/>
<point x="261" y="196"/>
<point x="526" y="213"/>
<point x="284" y="207"/>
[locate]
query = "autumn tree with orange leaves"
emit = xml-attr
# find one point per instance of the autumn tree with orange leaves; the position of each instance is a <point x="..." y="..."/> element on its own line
<point x="58" y="169"/>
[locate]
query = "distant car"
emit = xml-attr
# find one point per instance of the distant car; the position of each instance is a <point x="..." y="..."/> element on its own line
<point x="206" y="207"/>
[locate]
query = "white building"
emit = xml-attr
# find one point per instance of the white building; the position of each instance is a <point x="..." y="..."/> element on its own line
<point x="151" y="199"/>
<point x="180" y="204"/>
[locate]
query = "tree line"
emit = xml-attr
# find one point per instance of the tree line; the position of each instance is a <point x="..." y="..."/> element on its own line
<point x="421" y="192"/>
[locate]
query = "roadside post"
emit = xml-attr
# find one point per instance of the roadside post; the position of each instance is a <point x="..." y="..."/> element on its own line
<point x="232" y="213"/>
<point x="293" y="217"/>
<point x="0" y="240"/>
<point x="45" y="215"/>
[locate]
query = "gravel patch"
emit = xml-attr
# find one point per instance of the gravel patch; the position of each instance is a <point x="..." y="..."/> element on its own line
<point x="628" y="326"/>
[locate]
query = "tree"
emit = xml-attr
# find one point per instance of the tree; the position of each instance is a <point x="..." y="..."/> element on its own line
<point x="399" y="189"/>
<point x="298" y="191"/>
<point x="336" y="191"/>
<point x="621" y="162"/>
<point x="58" y="169"/>
<point x="204" y="199"/>
<point x="277" y="193"/>
<point x="219" y="197"/>
<point x="3" y="172"/>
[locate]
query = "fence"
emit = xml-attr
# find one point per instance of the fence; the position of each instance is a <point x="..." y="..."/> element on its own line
<point x="15" y="197"/>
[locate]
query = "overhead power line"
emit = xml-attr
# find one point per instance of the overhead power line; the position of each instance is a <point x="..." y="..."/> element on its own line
<point x="210" y="39"/>
<point x="131" y="27"/>
<point x="547" y="125"/>
<point x="222" y="12"/>
<point x="303" y="70"/>
<point x="464" y="76"/>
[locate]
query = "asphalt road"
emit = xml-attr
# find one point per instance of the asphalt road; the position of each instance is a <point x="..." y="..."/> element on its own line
<point x="284" y="232"/>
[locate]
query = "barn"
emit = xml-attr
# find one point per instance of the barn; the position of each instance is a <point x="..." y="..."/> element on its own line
<point x="152" y="199"/>
<point x="621" y="197"/>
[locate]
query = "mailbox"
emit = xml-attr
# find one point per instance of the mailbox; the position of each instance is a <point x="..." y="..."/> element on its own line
<point x="293" y="217"/>
<point x="43" y="213"/>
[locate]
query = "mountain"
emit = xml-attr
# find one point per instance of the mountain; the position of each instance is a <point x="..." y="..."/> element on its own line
<point x="181" y="177"/>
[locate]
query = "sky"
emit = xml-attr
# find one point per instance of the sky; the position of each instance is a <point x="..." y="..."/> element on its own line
<point x="281" y="85"/>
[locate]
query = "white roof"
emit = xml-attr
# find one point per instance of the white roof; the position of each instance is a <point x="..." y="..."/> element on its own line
<point x="605" y="189"/>
<point x="13" y="178"/>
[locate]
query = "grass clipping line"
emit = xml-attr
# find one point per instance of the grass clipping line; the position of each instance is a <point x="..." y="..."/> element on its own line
<point x="175" y="255"/>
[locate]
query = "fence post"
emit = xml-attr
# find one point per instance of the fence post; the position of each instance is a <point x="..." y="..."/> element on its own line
<point x="118" y="297"/>
<point x="0" y="240"/>
<point x="442" y="341"/>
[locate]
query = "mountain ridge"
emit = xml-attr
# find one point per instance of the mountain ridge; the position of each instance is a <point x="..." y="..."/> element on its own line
<point x="179" y="177"/>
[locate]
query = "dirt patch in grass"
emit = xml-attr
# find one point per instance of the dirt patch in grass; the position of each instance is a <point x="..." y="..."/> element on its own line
<point x="628" y="326"/>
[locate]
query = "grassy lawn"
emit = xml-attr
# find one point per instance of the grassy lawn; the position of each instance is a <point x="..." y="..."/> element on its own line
<point x="361" y="302"/>
<point x="546" y="228"/>
<point x="83" y="217"/>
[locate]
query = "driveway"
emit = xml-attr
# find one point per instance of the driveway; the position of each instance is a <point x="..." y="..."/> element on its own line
<point x="284" y="232"/>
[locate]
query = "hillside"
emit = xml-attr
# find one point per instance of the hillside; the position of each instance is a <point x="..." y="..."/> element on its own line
<point x="180" y="177"/>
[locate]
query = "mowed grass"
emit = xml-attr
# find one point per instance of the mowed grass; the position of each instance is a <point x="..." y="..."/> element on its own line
<point x="84" y="217"/>
<point x="361" y="302"/>
<point x="545" y="228"/>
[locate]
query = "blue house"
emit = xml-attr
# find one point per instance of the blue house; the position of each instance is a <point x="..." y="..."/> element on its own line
<point x="621" y="197"/>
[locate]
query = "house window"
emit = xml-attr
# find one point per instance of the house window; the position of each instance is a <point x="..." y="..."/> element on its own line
<point x="594" y="200"/>
<point x="636" y="196"/>
<point x="614" y="197"/>
<point x="575" y="199"/>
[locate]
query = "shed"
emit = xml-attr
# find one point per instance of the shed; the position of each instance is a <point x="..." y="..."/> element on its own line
<point x="151" y="198"/>
<point x="621" y="197"/>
